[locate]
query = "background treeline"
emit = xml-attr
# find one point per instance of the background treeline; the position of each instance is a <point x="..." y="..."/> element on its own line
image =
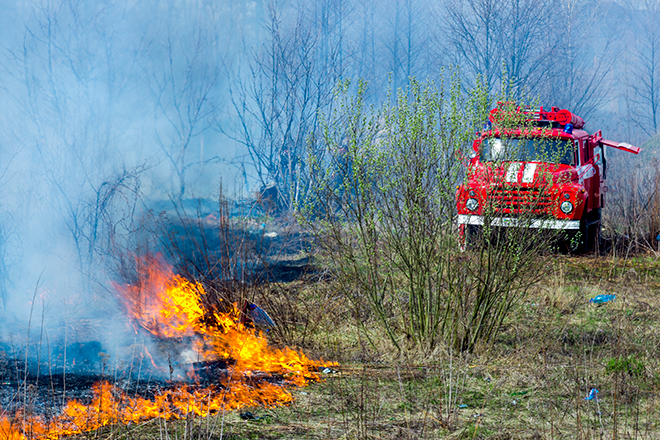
<point x="108" y="106"/>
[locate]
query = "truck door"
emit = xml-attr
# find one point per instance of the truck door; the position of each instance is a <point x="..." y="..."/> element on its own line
<point x="589" y="172"/>
<point x="599" y="162"/>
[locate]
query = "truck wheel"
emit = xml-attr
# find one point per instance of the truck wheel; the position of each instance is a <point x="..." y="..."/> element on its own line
<point x="592" y="233"/>
<point x="587" y="238"/>
<point x="468" y="236"/>
<point x="473" y="236"/>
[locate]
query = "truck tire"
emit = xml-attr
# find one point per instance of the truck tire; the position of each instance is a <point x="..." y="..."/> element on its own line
<point x="592" y="232"/>
<point x="587" y="238"/>
<point x="471" y="238"/>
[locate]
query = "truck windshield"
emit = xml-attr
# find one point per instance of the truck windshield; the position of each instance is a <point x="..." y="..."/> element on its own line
<point x="528" y="150"/>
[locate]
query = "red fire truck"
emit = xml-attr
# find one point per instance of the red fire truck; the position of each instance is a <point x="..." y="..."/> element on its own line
<point x="509" y="184"/>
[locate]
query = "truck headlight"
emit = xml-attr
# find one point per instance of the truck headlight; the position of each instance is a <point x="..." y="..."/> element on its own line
<point x="566" y="207"/>
<point x="472" y="204"/>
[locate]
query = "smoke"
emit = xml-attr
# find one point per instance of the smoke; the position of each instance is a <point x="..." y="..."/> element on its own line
<point x="111" y="108"/>
<point x="108" y="106"/>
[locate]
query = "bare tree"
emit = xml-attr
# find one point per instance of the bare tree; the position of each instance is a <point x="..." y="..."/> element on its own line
<point x="183" y="79"/>
<point x="70" y="74"/>
<point x="99" y="220"/>
<point x="527" y="42"/>
<point x="542" y="46"/>
<point x="329" y="21"/>
<point x="405" y="38"/>
<point x="645" y="79"/>
<point x="474" y="30"/>
<point x="6" y="233"/>
<point x="581" y="79"/>
<point x="7" y="236"/>
<point x="277" y="101"/>
<point x="366" y="57"/>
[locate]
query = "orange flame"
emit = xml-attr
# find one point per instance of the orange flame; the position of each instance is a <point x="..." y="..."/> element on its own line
<point x="167" y="305"/>
<point x="9" y="432"/>
<point x="110" y="405"/>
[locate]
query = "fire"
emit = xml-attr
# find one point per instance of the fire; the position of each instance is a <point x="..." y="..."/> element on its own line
<point x="110" y="405"/>
<point x="8" y="432"/>
<point x="165" y="304"/>
<point x="169" y="306"/>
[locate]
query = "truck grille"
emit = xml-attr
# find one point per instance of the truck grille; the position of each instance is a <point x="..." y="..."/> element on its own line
<point x="518" y="200"/>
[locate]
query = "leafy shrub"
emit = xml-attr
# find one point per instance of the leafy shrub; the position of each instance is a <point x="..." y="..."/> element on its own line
<point x="382" y="202"/>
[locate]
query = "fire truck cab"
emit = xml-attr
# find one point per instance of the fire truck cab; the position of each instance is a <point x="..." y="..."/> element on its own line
<point x="511" y="185"/>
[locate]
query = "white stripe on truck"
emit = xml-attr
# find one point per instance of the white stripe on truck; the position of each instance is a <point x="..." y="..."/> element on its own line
<point x="517" y="222"/>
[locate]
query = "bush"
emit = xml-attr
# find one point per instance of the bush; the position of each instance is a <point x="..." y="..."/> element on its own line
<point x="383" y="205"/>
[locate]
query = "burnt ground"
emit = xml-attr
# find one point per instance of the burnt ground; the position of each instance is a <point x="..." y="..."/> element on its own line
<point x="218" y="250"/>
<point x="42" y="392"/>
<point x="45" y="392"/>
<point x="286" y="270"/>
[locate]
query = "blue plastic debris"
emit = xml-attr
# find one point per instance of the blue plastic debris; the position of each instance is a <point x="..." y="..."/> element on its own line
<point x="593" y="395"/>
<point x="462" y="406"/>
<point x="259" y="316"/>
<point x="600" y="299"/>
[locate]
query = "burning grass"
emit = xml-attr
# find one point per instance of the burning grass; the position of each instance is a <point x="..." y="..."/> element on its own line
<point x="170" y="307"/>
<point x="167" y="305"/>
<point x="111" y="405"/>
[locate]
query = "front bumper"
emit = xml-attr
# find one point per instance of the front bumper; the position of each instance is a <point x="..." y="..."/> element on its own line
<point x="516" y="222"/>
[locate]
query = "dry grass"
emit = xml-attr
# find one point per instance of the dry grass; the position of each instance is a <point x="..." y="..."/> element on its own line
<point x="531" y="383"/>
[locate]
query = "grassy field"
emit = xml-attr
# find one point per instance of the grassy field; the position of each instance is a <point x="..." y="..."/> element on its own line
<point x="530" y="383"/>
